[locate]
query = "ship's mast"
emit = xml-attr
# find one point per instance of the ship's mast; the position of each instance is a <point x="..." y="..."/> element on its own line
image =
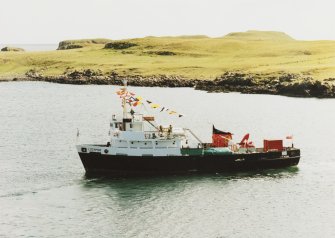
<point x="124" y="103"/>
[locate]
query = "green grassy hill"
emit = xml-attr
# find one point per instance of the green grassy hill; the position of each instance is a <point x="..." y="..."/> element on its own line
<point x="201" y="57"/>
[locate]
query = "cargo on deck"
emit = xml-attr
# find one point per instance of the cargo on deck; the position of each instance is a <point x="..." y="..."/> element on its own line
<point x="273" y="145"/>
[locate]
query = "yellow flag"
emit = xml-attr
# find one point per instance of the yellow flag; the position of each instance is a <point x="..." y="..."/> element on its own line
<point x="154" y="105"/>
<point x="120" y="92"/>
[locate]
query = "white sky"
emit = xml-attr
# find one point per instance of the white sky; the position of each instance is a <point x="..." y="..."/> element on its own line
<point x="50" y="21"/>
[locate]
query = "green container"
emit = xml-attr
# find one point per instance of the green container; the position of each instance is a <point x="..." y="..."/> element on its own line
<point x="218" y="151"/>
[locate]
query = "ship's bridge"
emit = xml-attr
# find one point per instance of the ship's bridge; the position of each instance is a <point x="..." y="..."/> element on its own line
<point x="143" y="127"/>
<point x="135" y="123"/>
<point x="140" y="133"/>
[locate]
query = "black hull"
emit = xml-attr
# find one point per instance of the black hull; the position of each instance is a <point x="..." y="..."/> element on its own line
<point x="114" y="165"/>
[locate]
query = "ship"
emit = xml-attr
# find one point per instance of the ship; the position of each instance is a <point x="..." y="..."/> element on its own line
<point x="138" y="145"/>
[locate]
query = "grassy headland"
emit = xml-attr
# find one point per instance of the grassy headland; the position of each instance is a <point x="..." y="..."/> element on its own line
<point x="268" y="55"/>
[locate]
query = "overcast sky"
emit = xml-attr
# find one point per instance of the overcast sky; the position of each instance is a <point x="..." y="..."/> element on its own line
<point x="50" y="21"/>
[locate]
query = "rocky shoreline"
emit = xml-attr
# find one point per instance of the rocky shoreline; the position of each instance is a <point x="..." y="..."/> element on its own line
<point x="286" y="84"/>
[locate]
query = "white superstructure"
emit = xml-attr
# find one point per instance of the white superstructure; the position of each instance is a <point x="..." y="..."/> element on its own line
<point x="129" y="138"/>
<point x="139" y="135"/>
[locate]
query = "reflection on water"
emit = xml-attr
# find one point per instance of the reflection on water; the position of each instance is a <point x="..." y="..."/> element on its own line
<point x="189" y="201"/>
<point x="148" y="182"/>
<point x="146" y="188"/>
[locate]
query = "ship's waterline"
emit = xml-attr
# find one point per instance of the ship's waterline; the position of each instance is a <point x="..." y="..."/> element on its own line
<point x="44" y="190"/>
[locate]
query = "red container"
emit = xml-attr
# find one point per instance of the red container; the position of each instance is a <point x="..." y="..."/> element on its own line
<point x="273" y="145"/>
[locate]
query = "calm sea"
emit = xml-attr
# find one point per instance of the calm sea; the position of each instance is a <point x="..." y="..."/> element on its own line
<point x="44" y="191"/>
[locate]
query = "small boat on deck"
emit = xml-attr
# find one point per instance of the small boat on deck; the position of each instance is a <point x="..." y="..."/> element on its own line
<point x="138" y="145"/>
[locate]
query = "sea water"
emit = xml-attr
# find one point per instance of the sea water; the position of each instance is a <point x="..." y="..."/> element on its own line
<point x="44" y="191"/>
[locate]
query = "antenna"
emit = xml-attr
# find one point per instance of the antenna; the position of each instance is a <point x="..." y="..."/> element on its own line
<point x="124" y="103"/>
